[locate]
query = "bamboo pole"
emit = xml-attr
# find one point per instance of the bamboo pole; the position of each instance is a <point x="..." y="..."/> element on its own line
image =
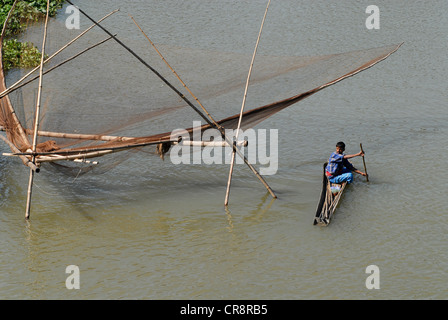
<point x="24" y="159"/>
<point x="87" y="154"/>
<point x="212" y="122"/>
<point x="210" y="143"/>
<point x="81" y="151"/>
<point x="20" y="85"/>
<point x="336" y="199"/>
<point x="80" y="136"/>
<point x="182" y="96"/>
<point x="74" y="135"/>
<point x="176" y="74"/>
<point x="79" y="156"/>
<point x="226" y="201"/>
<point x="7" y="19"/>
<point x="37" y="115"/>
<point x="13" y="86"/>
<point x="364" y="162"/>
<point x="118" y="138"/>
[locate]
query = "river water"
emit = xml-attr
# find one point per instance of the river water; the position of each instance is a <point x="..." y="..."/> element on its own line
<point x="165" y="234"/>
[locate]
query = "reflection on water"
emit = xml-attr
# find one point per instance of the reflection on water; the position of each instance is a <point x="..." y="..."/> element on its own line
<point x="255" y="214"/>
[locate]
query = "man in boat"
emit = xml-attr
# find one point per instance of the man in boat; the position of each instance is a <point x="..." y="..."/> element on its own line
<point x="339" y="169"/>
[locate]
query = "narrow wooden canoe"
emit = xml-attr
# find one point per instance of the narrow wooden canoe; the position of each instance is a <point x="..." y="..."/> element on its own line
<point x="328" y="200"/>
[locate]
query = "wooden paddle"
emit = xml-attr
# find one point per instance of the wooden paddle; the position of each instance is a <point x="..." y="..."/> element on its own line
<point x="364" y="162"/>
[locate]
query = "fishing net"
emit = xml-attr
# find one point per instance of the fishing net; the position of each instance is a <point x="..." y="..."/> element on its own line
<point x="106" y="100"/>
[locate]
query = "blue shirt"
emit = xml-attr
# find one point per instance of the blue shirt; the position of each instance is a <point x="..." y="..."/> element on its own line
<point x="336" y="164"/>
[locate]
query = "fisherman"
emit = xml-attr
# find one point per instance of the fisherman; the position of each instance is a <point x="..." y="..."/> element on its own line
<point x="339" y="169"/>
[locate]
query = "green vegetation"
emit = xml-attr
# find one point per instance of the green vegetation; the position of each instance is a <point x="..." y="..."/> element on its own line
<point x="23" y="54"/>
<point x="18" y="54"/>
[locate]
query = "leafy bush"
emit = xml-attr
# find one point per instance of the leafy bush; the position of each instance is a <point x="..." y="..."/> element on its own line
<point x="24" y="11"/>
<point x="18" y="54"/>
<point x="15" y="53"/>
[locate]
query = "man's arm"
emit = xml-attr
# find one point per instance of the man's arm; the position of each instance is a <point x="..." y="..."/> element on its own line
<point x="360" y="172"/>
<point x="349" y="156"/>
<point x="348" y="164"/>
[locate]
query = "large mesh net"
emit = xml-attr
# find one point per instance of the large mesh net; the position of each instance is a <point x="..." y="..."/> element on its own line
<point x="106" y="100"/>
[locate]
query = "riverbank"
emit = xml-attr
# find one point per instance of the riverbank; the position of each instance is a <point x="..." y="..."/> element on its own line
<point x="17" y="54"/>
